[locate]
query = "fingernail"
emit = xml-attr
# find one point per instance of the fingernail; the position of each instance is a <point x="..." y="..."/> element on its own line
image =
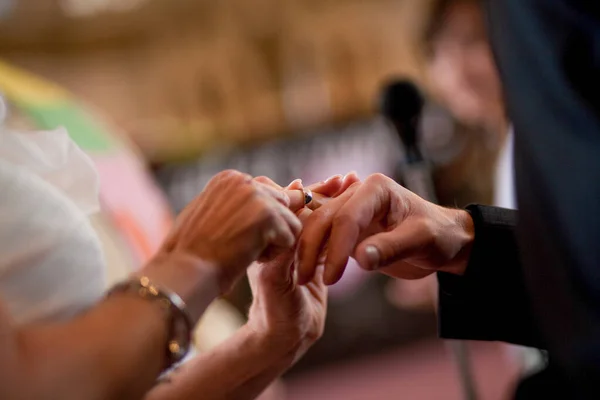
<point x="295" y="181"/>
<point x="295" y="276"/>
<point x="372" y="257"/>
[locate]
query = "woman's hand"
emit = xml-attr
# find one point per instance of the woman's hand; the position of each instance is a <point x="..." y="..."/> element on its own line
<point x="386" y="228"/>
<point x="231" y="223"/>
<point x="321" y="193"/>
<point x="289" y="316"/>
<point x="292" y="317"/>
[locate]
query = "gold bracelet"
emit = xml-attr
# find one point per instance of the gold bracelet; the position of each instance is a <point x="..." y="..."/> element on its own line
<point x="180" y="324"/>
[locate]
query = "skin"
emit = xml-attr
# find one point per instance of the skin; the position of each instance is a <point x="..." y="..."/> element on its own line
<point x="385" y="228"/>
<point x="285" y="319"/>
<point x="116" y="350"/>
<point x="464" y="76"/>
<point x="462" y="70"/>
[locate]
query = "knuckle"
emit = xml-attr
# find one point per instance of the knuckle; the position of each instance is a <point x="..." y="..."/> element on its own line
<point x="262" y="179"/>
<point x="220" y="178"/>
<point x="266" y="215"/>
<point x="377" y="178"/>
<point x="431" y="230"/>
<point x="228" y="173"/>
<point x="232" y="175"/>
<point x="250" y="193"/>
<point x="315" y="334"/>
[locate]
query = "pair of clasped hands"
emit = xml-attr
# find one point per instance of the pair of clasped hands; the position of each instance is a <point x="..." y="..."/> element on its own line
<point x="292" y="250"/>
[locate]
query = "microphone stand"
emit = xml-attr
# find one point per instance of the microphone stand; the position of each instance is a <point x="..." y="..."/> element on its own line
<point x="416" y="176"/>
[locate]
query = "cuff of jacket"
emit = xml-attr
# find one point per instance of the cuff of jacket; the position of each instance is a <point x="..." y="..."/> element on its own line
<point x="488" y="302"/>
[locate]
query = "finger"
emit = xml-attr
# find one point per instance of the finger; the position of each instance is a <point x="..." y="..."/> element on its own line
<point x="350" y="222"/>
<point x="317" y="201"/>
<point x="296" y="184"/>
<point x="270" y="254"/>
<point x="333" y="187"/>
<point x="314" y="234"/>
<point x="286" y="228"/>
<point x="386" y="248"/>
<point x="278" y="194"/>
<point x="228" y="177"/>
<point x="404" y="270"/>
<point x="349" y="180"/>
<point x="303" y="214"/>
<point x="252" y="273"/>
<point x="267" y="181"/>
<point x="329" y="187"/>
<point x="290" y="218"/>
<point x="278" y="233"/>
<point x="296" y="199"/>
<point x="277" y="273"/>
<point x="295" y="191"/>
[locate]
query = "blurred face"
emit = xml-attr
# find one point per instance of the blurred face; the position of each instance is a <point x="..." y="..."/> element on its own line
<point x="463" y="70"/>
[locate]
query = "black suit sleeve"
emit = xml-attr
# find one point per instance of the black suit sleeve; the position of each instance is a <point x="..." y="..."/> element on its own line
<point x="490" y="301"/>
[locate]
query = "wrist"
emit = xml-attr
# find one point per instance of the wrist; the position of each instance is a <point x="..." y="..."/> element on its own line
<point x="272" y="349"/>
<point x="464" y="236"/>
<point x="282" y="338"/>
<point x="192" y="279"/>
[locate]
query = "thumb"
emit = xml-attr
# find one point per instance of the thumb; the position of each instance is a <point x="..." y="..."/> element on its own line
<point x="385" y="248"/>
<point x="275" y="275"/>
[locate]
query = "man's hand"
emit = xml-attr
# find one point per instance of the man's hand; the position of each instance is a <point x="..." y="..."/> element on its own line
<point x="386" y="228"/>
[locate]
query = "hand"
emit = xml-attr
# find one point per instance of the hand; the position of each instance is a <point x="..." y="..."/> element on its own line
<point x="386" y="228"/>
<point x="231" y="223"/>
<point x="322" y="191"/>
<point x="292" y="316"/>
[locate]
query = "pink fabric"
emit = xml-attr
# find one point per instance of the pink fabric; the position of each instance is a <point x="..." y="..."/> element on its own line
<point x="138" y="207"/>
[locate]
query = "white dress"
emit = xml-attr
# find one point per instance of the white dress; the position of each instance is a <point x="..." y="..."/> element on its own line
<point x="51" y="261"/>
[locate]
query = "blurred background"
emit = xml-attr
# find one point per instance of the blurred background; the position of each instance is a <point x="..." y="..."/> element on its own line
<point x="165" y="93"/>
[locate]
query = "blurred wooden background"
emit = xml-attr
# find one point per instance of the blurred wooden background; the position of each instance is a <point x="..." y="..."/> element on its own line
<point x="182" y="76"/>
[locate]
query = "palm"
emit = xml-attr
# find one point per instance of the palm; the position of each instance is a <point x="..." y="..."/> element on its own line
<point x="313" y="300"/>
<point x="287" y="311"/>
<point x="293" y="315"/>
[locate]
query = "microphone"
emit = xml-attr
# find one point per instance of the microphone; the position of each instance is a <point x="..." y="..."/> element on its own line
<point x="402" y="106"/>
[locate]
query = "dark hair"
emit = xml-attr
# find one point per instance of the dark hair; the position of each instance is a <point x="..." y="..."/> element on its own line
<point x="437" y="18"/>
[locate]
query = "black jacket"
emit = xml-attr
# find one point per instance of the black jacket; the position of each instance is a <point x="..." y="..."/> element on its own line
<point x="493" y="301"/>
<point x="547" y="294"/>
<point x="490" y="302"/>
